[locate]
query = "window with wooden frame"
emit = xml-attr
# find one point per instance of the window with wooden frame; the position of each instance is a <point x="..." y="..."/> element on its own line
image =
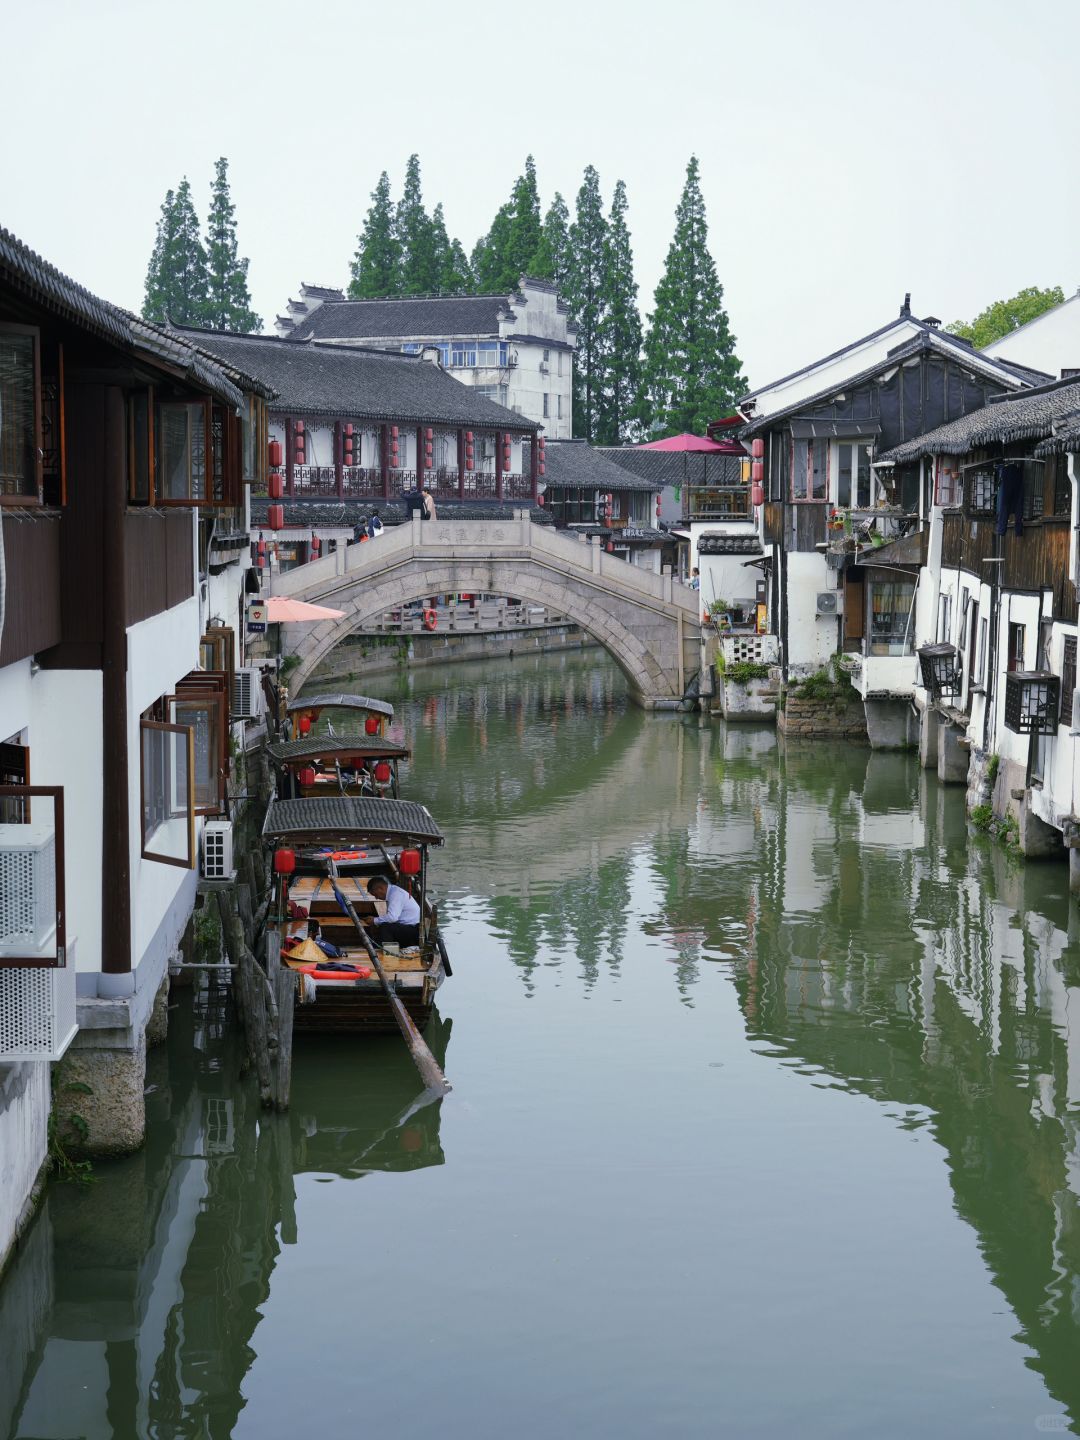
<point x="32" y="903"/>
<point x="1016" y="648"/>
<point x="1068" y="680"/>
<point x="182" y="452"/>
<point x="1058" y="488"/>
<point x="141" y="486"/>
<point x="167" y="754"/>
<point x="14" y="770"/>
<point x="21" y="455"/>
<point x="204" y="713"/>
<point x="948" y="482"/>
<point x="210" y="682"/>
<point x="810" y="470"/>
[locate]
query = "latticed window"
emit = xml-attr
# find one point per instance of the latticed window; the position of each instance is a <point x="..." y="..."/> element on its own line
<point x="982" y="492"/>
<point x="1068" y="679"/>
<point x="20" y="414"/>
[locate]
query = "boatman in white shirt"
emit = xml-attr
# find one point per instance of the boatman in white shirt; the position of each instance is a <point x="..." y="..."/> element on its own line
<point x="402" y="919"/>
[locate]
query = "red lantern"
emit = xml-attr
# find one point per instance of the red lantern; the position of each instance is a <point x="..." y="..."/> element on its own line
<point x="299" y="427"/>
<point x="539" y="500"/>
<point x="371" y="725"/>
<point x="468" y="436"/>
<point x="382" y="773"/>
<point x="757" y="494"/>
<point x="393" y="432"/>
<point x="275" y="486"/>
<point x="348" y="430"/>
<point x="276" y="517"/>
<point x="427" y="462"/>
<point x="274" y="455"/>
<point x="304" y="724"/>
<point x="757" y="448"/>
<point x="469" y="462"/>
<point x="611" y="547"/>
<point x="316" y="547"/>
<point x="429" y="434"/>
<point x="540" y="467"/>
<point x="306" y="776"/>
<point x="260" y="551"/>
<point x="284" y="862"/>
<point x="409" y="862"/>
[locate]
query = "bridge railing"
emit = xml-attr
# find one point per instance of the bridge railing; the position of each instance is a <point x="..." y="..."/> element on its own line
<point x="506" y="534"/>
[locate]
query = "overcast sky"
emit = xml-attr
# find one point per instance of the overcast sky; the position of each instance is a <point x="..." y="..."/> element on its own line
<point x="849" y="151"/>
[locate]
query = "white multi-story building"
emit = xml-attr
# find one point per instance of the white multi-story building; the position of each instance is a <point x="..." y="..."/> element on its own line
<point x="516" y="349"/>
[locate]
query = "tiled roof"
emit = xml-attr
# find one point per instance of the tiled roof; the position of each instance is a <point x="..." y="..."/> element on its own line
<point x="1029" y="416"/>
<point x="433" y="317"/>
<point x="574" y="464"/>
<point x="715" y="542"/>
<point x="45" y="285"/>
<point x="325" y="820"/>
<point x="926" y="342"/>
<point x="346" y="380"/>
<point x="661" y="468"/>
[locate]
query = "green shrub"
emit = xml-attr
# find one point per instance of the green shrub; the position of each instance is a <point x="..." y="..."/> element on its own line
<point x="746" y="670"/>
<point x="981" y="817"/>
<point x="821" y="686"/>
<point x="993" y="767"/>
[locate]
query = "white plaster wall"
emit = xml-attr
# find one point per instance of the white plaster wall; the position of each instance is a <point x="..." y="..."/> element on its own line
<point x="66" y="748"/>
<point x="161" y="651"/>
<point x="812" y="639"/>
<point x="1050" y="342"/>
<point x="24" y="1114"/>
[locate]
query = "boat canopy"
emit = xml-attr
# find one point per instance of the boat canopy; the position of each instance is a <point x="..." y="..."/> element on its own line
<point x="347" y="821"/>
<point x="341" y="702"/>
<point x="332" y="747"/>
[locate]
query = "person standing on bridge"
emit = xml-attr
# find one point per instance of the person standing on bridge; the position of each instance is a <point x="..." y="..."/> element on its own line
<point x="374" y="526"/>
<point x="428" y="511"/>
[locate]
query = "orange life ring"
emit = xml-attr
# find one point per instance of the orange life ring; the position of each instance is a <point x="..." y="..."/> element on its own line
<point x="431" y="620"/>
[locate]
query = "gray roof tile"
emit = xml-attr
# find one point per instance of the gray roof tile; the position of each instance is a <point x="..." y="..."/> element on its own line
<point x="575" y="464"/>
<point x="431" y="317"/>
<point x="1029" y="416"/>
<point x="346" y="380"/>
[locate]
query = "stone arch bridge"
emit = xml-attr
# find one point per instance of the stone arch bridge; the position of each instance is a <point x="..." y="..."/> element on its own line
<point x="647" y="622"/>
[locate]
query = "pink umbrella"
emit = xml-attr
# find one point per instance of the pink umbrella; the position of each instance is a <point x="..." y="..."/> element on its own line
<point x="687" y="444"/>
<point x="280" y="610"/>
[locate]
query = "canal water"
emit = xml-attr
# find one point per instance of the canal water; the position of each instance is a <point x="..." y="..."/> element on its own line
<point x="764" y="1123"/>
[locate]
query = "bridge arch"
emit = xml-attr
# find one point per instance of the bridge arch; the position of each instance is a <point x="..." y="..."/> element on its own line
<point x="643" y="620"/>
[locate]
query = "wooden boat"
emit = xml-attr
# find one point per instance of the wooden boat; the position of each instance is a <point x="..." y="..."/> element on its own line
<point x="357" y="838"/>
<point x="306" y="711"/>
<point x="317" y="765"/>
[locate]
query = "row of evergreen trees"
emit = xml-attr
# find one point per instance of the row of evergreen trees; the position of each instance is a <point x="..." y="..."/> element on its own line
<point x="199" y="281"/>
<point x="677" y="375"/>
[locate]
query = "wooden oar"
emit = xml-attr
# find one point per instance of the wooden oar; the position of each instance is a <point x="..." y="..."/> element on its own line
<point x="423" y="1059"/>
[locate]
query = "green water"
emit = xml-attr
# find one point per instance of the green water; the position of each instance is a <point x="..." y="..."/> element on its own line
<point x="764" y="1123"/>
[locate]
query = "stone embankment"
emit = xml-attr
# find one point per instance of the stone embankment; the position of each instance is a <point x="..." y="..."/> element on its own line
<point x="837" y="716"/>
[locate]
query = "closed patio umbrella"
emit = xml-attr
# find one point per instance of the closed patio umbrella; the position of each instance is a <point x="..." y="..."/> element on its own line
<point x="281" y="610"/>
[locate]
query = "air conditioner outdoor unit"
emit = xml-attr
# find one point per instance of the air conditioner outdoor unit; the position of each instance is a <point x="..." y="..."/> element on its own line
<point x="246" y="693"/>
<point x="828" y="602"/>
<point x="37" y="1010"/>
<point x="27" y="892"/>
<point x="217" y="850"/>
<point x="544" y="367"/>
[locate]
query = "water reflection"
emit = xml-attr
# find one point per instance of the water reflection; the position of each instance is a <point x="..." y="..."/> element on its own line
<point x="875" y="947"/>
<point x="876" y="953"/>
<point x="132" y="1308"/>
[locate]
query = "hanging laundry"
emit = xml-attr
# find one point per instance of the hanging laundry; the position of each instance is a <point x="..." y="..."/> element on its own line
<point x="1010" y="495"/>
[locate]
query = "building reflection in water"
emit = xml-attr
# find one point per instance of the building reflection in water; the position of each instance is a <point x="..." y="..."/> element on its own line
<point x="134" y="1315"/>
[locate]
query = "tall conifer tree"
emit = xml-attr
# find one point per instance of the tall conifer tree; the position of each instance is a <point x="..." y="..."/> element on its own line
<point x="228" y="300"/>
<point x="176" y="282"/>
<point x="457" y="276"/>
<point x="525" y="227"/>
<point x="692" y="373"/>
<point x="506" y="252"/>
<point x="621" y="408"/>
<point x="585" y="294"/>
<point x="551" y="258"/>
<point x="416" y="242"/>
<point x="376" y="267"/>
